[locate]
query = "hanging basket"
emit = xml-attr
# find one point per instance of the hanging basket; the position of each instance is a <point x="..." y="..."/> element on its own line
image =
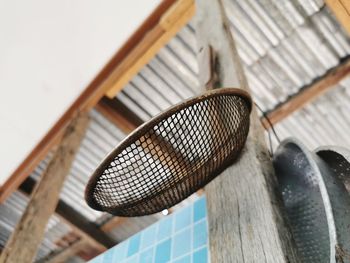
<point x="173" y="155"/>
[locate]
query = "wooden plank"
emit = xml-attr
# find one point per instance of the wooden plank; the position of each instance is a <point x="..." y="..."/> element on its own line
<point x="117" y="113"/>
<point x="81" y="226"/>
<point x="170" y="23"/>
<point x="113" y="223"/>
<point x="88" y="99"/>
<point x="65" y="253"/>
<point x="27" y="236"/>
<point x="67" y="239"/>
<point x="87" y="229"/>
<point x="309" y="93"/>
<point x="341" y="9"/>
<point x="244" y="211"/>
<point x="72" y="245"/>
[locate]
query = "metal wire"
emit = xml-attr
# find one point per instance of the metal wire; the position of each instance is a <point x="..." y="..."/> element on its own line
<point x="173" y="155"/>
<point x="265" y="116"/>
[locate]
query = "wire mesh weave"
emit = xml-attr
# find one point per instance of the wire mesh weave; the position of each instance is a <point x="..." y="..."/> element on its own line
<point x="173" y="155"/>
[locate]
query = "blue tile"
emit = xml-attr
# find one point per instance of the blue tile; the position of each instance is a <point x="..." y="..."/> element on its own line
<point x="164" y="227"/>
<point x="185" y="259"/>
<point x="200" y="234"/>
<point x="182" y="243"/>
<point x="200" y="256"/>
<point x="133" y="259"/>
<point x="120" y="251"/>
<point x="183" y="218"/>
<point x="200" y="209"/>
<point x="98" y="259"/>
<point x="148" y="236"/>
<point x="146" y="256"/>
<point x="163" y="251"/>
<point x="108" y="256"/>
<point x="134" y="244"/>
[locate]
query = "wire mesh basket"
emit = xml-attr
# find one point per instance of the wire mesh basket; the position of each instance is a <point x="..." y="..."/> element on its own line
<point x="316" y="202"/>
<point x="338" y="159"/>
<point x="173" y="155"/>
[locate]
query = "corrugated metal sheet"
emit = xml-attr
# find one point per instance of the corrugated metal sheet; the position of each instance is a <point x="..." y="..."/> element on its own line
<point x="10" y="213"/>
<point x="281" y="46"/>
<point x="101" y="137"/>
<point x="284" y="46"/>
<point x="326" y="121"/>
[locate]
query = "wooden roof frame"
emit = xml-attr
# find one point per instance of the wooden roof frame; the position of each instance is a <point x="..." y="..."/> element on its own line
<point x="152" y="35"/>
<point x="125" y="64"/>
<point x="341" y="9"/>
<point x="164" y="22"/>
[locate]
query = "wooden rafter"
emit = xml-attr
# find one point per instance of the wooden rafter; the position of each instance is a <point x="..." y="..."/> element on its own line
<point x="70" y="249"/>
<point x="124" y="118"/>
<point x="169" y="25"/>
<point x="27" y="236"/>
<point x="95" y="91"/>
<point x="309" y="93"/>
<point x="113" y="223"/>
<point x="80" y="225"/>
<point x="103" y="82"/>
<point x="341" y="9"/>
<point x="117" y="113"/>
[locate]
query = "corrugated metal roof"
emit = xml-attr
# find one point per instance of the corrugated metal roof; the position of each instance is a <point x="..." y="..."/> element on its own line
<point x="279" y="58"/>
<point x="284" y="46"/>
<point x="10" y="213"/>
<point x="326" y="121"/>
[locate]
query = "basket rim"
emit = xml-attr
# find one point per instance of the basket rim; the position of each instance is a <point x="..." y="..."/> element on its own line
<point x="314" y="162"/>
<point x="142" y="129"/>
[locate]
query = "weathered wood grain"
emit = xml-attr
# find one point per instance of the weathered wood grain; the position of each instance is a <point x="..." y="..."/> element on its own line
<point x="28" y="234"/>
<point x="244" y="208"/>
<point x="341" y="9"/>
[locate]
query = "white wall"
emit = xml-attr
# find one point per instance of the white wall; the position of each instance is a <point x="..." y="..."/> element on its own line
<point x="49" y="52"/>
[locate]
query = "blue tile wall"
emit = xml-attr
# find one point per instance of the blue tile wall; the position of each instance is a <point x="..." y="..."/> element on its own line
<point x="134" y="244"/>
<point x="181" y="237"/>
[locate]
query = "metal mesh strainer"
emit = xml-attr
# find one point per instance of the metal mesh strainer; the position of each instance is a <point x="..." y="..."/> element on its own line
<point x="338" y="159"/>
<point x="317" y="204"/>
<point x="173" y="155"/>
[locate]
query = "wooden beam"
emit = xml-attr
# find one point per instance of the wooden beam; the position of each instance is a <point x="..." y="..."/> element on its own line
<point x="88" y="230"/>
<point x="87" y="99"/>
<point x="341" y="9"/>
<point x="245" y="214"/>
<point x="67" y="239"/>
<point x="113" y="223"/>
<point x="64" y="254"/>
<point x="81" y="226"/>
<point x="72" y="245"/>
<point x="309" y="93"/>
<point x="116" y="112"/>
<point x="103" y="83"/>
<point x="27" y="236"/>
<point x="169" y="25"/>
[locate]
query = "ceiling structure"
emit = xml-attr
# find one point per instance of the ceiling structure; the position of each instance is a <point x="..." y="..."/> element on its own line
<point x="50" y="51"/>
<point x="286" y="47"/>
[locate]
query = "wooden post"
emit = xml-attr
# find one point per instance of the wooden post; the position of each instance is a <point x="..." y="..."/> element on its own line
<point x="244" y="208"/>
<point x="24" y="241"/>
